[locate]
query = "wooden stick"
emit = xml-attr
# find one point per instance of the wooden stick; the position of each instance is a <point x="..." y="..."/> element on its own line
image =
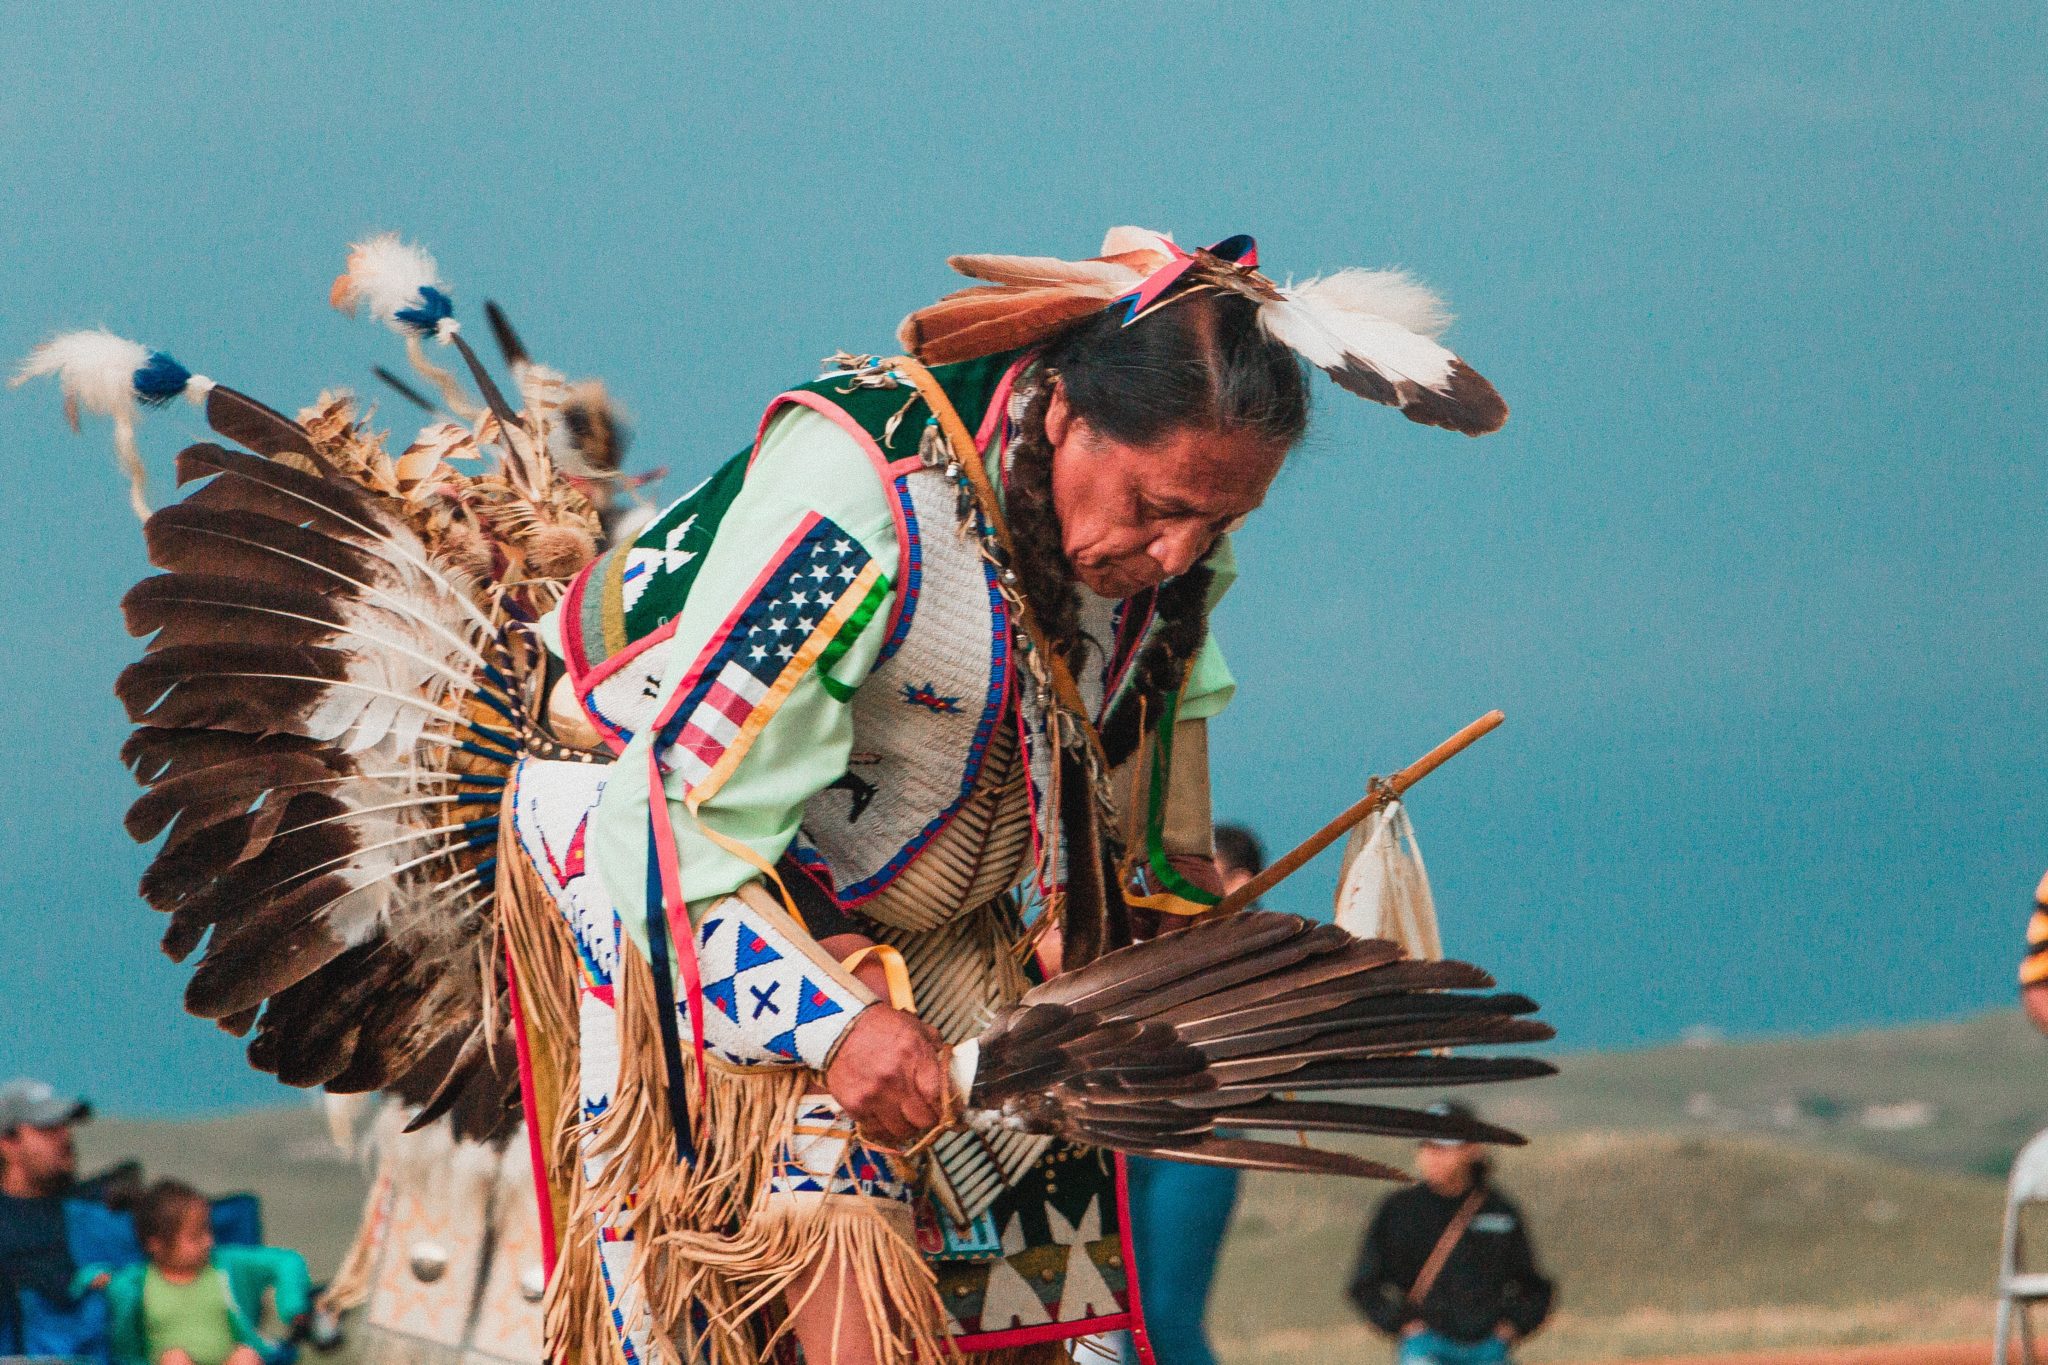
<point x="1378" y="796"/>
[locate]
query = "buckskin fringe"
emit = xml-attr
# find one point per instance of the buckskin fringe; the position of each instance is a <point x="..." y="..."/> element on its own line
<point x="705" y="1237"/>
<point x="577" y="1318"/>
<point x="780" y="1247"/>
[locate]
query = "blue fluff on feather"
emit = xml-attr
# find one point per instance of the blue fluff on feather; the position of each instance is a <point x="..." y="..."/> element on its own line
<point x="161" y="379"/>
<point x="426" y="316"/>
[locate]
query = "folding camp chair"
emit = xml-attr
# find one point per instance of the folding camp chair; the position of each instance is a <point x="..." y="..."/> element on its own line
<point x="2019" y="1290"/>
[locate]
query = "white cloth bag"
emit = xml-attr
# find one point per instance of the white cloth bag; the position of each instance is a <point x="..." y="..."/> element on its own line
<point x="1383" y="891"/>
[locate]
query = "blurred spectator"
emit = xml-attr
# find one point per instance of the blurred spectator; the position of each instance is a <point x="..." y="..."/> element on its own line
<point x="193" y="1302"/>
<point x="2034" y="967"/>
<point x="1180" y="1212"/>
<point x="1446" y="1267"/>
<point x="38" y="1169"/>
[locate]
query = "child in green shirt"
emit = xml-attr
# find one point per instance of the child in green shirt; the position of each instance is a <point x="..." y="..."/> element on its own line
<point x="193" y="1303"/>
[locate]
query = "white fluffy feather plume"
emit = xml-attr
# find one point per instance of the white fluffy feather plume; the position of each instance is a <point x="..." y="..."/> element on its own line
<point x="94" y="368"/>
<point x="1392" y="294"/>
<point x="96" y="371"/>
<point x="1118" y="240"/>
<point x="389" y="276"/>
<point x="385" y="274"/>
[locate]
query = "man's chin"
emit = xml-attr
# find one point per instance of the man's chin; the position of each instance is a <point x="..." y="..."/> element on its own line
<point x="1111" y="584"/>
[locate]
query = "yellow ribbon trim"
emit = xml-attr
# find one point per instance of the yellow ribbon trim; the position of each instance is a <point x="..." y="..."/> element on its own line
<point x="1167" y="903"/>
<point x="894" y="970"/>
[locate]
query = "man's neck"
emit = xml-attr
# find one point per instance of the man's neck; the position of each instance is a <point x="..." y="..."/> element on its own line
<point x="15" y="1185"/>
<point x="181" y="1275"/>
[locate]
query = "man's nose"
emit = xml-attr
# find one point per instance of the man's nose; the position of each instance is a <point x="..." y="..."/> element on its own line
<point x="1177" y="551"/>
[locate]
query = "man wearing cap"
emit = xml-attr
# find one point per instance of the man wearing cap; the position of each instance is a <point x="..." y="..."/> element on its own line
<point x="1446" y="1267"/>
<point x="38" y="1169"/>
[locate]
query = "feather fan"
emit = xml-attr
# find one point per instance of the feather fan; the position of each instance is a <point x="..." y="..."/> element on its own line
<point x="327" y="707"/>
<point x="1156" y="1047"/>
<point x="335" y="686"/>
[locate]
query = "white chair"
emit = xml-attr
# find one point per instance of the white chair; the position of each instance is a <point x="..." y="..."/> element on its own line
<point x="2018" y="1289"/>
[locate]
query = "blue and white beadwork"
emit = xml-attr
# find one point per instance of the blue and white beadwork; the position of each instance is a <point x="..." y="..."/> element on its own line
<point x="766" y="1002"/>
<point x="552" y="803"/>
<point x="823" y="1156"/>
<point x="926" y="710"/>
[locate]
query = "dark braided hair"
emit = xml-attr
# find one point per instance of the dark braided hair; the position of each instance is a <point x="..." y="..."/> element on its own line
<point x="1200" y="362"/>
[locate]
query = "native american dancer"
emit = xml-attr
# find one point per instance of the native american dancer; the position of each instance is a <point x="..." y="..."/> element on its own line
<point x="796" y="847"/>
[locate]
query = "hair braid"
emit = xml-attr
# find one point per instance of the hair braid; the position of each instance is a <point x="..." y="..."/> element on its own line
<point x="1044" y="576"/>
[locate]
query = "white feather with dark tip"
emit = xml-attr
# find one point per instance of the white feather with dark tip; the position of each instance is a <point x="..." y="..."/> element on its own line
<point x="1394" y="295"/>
<point x="1373" y="331"/>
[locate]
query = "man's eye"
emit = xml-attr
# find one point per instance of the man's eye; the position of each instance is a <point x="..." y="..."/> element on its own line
<point x="1154" y="512"/>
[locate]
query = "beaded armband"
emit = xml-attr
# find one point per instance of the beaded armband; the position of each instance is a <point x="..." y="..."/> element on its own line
<point x="772" y="996"/>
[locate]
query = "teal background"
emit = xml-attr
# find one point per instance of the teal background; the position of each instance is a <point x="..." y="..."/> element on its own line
<point x="1755" y="569"/>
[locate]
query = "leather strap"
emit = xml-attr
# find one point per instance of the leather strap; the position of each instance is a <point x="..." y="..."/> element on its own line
<point x="1454" y="1232"/>
<point x="894" y="971"/>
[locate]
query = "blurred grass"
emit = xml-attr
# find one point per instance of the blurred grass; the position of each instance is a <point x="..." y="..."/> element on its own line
<point x="1983" y="1080"/>
<point x="1658" y="1243"/>
<point x="1779" y="1219"/>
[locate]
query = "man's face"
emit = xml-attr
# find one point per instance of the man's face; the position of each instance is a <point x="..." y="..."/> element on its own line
<point x="1233" y="876"/>
<point x="1447" y="1167"/>
<point x="1132" y="517"/>
<point x="40" y="1159"/>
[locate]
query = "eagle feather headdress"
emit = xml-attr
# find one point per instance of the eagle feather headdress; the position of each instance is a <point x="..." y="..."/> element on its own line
<point x="1375" y="332"/>
<point x="340" y="676"/>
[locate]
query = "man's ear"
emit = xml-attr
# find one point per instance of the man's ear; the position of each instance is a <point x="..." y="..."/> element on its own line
<point x="1058" y="416"/>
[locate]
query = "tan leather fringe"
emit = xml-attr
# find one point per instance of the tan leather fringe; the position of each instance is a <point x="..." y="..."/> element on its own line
<point x="750" y="1274"/>
<point x="577" y="1317"/>
<point x="706" y="1234"/>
